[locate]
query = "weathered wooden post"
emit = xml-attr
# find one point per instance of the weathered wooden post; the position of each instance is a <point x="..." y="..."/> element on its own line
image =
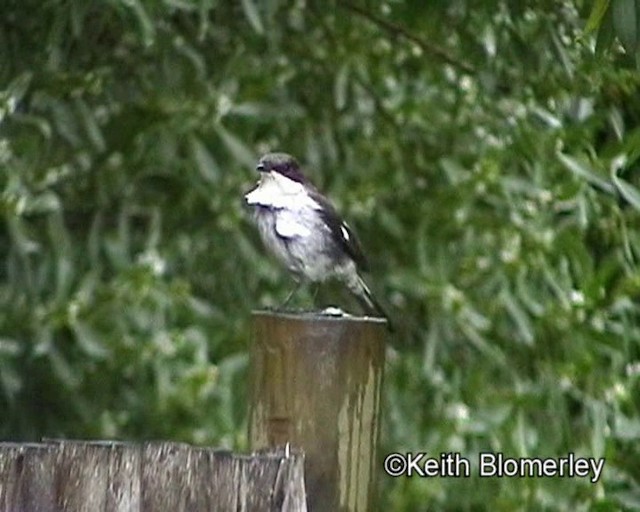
<point x="316" y="384"/>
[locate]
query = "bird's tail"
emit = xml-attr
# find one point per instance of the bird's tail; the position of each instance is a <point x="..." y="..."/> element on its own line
<point x="371" y="306"/>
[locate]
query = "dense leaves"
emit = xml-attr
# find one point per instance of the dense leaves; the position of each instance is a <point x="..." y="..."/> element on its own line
<point x="485" y="152"/>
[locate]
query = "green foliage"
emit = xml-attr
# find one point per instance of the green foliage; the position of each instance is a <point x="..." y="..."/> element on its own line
<point x="485" y="152"/>
<point x="617" y="20"/>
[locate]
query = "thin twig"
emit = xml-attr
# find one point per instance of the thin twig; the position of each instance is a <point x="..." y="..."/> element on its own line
<point x="397" y="30"/>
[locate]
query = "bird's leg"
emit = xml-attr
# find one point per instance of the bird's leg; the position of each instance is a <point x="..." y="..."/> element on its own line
<point x="291" y="294"/>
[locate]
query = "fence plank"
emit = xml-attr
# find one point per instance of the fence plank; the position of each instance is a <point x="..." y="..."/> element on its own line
<point x="76" y="476"/>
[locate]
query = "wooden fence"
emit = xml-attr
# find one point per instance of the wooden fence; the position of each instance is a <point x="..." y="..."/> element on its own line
<point x="75" y="476"/>
<point x="316" y="385"/>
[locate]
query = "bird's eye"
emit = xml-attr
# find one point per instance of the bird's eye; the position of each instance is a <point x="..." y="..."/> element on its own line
<point x="260" y="167"/>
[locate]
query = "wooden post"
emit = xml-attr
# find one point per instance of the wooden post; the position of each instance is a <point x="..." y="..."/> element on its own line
<point x="316" y="384"/>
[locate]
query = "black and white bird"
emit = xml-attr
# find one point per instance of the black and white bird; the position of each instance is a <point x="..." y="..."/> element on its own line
<point x="303" y="230"/>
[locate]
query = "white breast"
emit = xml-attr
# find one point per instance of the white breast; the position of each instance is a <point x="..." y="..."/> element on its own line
<point x="277" y="191"/>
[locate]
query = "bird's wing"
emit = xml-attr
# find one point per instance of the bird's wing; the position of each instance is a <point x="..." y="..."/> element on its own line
<point x="346" y="238"/>
<point x="289" y="226"/>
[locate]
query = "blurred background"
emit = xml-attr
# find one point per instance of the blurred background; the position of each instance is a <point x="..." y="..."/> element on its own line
<point x="485" y="151"/>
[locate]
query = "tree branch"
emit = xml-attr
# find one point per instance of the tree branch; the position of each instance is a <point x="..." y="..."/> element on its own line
<point x="397" y="30"/>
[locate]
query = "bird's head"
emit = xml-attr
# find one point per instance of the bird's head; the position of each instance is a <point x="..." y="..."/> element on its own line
<point x="281" y="184"/>
<point x="283" y="164"/>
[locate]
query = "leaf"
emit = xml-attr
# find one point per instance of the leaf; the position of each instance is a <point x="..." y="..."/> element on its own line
<point x="406" y="282"/>
<point x="39" y="123"/>
<point x="14" y="93"/>
<point x="65" y="372"/>
<point x="583" y="170"/>
<point x="238" y="149"/>
<point x="617" y="122"/>
<point x="628" y="191"/>
<point x="64" y="262"/>
<point x="9" y="347"/>
<point x="46" y="202"/>
<point x="206" y="164"/>
<point x="605" y="33"/>
<point x="629" y="500"/>
<point x="340" y="87"/>
<point x="492" y="353"/>
<point x="88" y="340"/>
<point x="263" y="110"/>
<point x="91" y="125"/>
<point x="251" y="12"/>
<point x="624" y="23"/>
<point x="11" y="380"/>
<point x="631" y="146"/>
<point x="77" y="15"/>
<point x="146" y="25"/>
<point x="599" y="427"/>
<point x="65" y="122"/>
<point x="519" y="316"/>
<point x="94" y="240"/>
<point x="563" y="55"/>
<point x="547" y="117"/>
<point x="20" y="236"/>
<point x="626" y="429"/>
<point x="597" y="13"/>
